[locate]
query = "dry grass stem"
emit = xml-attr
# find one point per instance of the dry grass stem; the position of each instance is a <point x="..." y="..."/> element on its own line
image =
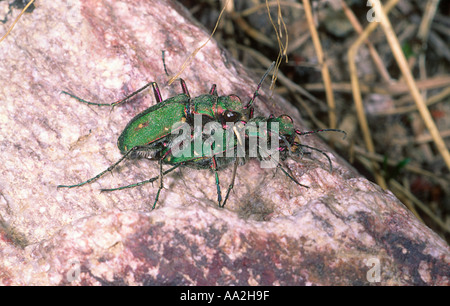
<point x="406" y="72"/>
<point x="323" y="64"/>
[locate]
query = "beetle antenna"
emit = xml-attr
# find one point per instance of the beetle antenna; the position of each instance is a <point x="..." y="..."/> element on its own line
<point x="318" y="150"/>
<point x="256" y="93"/>
<point x="320" y="131"/>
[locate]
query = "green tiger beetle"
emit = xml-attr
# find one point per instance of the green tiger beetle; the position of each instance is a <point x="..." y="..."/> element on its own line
<point x="277" y="132"/>
<point x="218" y="159"/>
<point x="151" y="129"/>
<point x="152" y="134"/>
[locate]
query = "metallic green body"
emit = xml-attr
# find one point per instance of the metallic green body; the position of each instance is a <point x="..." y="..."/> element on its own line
<point x="214" y="106"/>
<point x="149" y="128"/>
<point x="285" y="126"/>
<point x="152" y="131"/>
<point x="202" y="159"/>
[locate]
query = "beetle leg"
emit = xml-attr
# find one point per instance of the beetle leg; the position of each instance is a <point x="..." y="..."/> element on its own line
<point x="320" y="151"/>
<point x="280" y="166"/>
<point x="121" y="101"/>
<point x="214" y="168"/>
<point x="213" y="90"/>
<point x="161" y="185"/>
<point x="157" y="93"/>
<point x="231" y="184"/>
<point x="141" y="183"/>
<point x="164" y="62"/>
<point x="184" y="87"/>
<point x="110" y="168"/>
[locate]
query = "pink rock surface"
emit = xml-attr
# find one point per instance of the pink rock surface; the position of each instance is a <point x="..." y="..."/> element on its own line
<point x="342" y="230"/>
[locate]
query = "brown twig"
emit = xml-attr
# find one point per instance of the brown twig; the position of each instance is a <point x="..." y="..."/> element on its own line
<point x="420" y="205"/>
<point x="393" y="89"/>
<point x="15" y="21"/>
<point x="373" y="52"/>
<point x="250" y="31"/>
<point x="406" y="72"/>
<point x="258" y="7"/>
<point x="357" y="94"/>
<point x="281" y="77"/>
<point x="323" y="64"/>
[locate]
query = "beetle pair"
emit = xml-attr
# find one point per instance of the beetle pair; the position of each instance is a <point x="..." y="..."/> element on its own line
<point x="152" y="133"/>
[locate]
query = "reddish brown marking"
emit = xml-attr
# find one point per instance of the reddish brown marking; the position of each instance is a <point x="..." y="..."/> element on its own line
<point x="140" y="126"/>
<point x="234" y="98"/>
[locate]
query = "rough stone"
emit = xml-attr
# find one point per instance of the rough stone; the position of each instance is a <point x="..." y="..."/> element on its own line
<point x="342" y="230"/>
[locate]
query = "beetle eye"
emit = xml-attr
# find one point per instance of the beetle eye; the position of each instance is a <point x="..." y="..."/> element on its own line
<point x="230" y="116"/>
